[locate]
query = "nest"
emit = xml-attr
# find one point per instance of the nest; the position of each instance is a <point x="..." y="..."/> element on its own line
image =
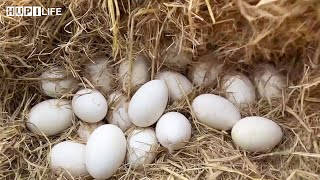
<point x="240" y="34"/>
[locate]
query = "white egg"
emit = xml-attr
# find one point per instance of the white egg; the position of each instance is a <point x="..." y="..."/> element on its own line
<point x="99" y="73"/>
<point x="116" y="97"/>
<point x="105" y="151"/>
<point x="89" y="105"/>
<point x="239" y="89"/>
<point x="205" y="73"/>
<point x="178" y="85"/>
<point x="256" y="134"/>
<point x="50" y="117"/>
<point x="56" y="82"/>
<point x="173" y="130"/>
<point x="148" y="103"/>
<point x="142" y="147"/>
<point x="85" y="130"/>
<point x="120" y="116"/>
<point x="215" y="111"/>
<point x="177" y="56"/>
<point x="199" y="74"/>
<point x="68" y="158"/>
<point x="139" y="72"/>
<point x="269" y="82"/>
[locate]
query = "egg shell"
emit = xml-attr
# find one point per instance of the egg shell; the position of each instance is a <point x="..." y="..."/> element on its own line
<point x="198" y="74"/>
<point x="105" y="151"/>
<point x="120" y="117"/>
<point x="68" y="158"/>
<point x="256" y="134"/>
<point x="174" y="55"/>
<point x="139" y="72"/>
<point x="85" y="130"/>
<point x="215" y="111"/>
<point x="205" y="73"/>
<point x="90" y="105"/>
<point x="178" y="85"/>
<point x="239" y="89"/>
<point x="173" y="130"/>
<point x="142" y="147"/>
<point x="118" y="114"/>
<point x="99" y="73"/>
<point x="269" y="82"/>
<point x="115" y="98"/>
<point x="56" y="82"/>
<point x="148" y="103"/>
<point x="50" y="117"/>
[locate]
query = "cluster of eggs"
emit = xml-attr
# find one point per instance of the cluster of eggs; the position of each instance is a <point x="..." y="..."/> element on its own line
<point x="104" y="147"/>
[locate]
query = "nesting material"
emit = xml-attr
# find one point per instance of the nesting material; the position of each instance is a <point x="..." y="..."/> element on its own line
<point x="240" y="33"/>
<point x="1" y="111"/>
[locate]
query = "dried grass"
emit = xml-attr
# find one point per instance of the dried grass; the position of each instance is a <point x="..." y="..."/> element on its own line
<point x="240" y="33"/>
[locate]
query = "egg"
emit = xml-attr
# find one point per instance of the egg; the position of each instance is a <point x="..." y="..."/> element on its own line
<point x="50" y="117"/>
<point x="89" y="105"/>
<point x="99" y="73"/>
<point x="173" y="130"/>
<point x="120" y="117"/>
<point x="215" y="111"/>
<point x="176" y="55"/>
<point x="256" y="134"/>
<point x="118" y="114"/>
<point x="68" y="158"/>
<point x="85" y="130"/>
<point x="239" y="89"/>
<point x="178" y="85"/>
<point x="115" y="98"/>
<point x="142" y="147"/>
<point x="148" y="103"/>
<point x="139" y="72"/>
<point x="105" y="151"/>
<point x="206" y="71"/>
<point x="57" y="81"/>
<point x="269" y="82"/>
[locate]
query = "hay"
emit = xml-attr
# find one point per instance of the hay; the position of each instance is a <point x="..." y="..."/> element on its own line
<point x="240" y="33"/>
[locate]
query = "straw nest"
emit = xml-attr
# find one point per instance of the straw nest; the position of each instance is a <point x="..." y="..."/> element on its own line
<point x="239" y="33"/>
